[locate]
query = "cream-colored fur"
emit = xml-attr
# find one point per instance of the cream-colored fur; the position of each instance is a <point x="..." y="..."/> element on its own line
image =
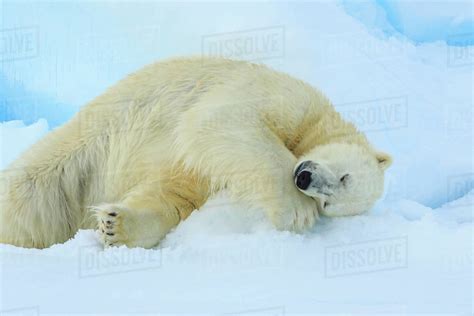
<point x="153" y="148"/>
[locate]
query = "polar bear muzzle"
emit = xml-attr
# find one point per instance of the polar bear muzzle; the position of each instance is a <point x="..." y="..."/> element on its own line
<point x="314" y="179"/>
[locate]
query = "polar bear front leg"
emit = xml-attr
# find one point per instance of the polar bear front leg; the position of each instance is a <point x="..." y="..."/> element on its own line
<point x="253" y="164"/>
<point x="119" y="225"/>
<point x="139" y="221"/>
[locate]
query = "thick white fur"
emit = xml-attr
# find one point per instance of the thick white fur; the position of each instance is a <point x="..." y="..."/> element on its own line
<point x="155" y="146"/>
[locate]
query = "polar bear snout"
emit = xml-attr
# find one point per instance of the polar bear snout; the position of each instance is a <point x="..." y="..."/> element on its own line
<point x="314" y="179"/>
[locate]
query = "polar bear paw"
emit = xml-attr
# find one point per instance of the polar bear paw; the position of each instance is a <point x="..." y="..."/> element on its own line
<point x="110" y="224"/>
<point x="295" y="212"/>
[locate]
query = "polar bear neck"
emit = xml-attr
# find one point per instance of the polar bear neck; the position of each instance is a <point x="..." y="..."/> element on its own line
<point x="323" y="125"/>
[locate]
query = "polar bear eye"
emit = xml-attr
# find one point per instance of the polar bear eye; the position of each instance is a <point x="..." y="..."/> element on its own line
<point x="325" y="204"/>
<point x="344" y="178"/>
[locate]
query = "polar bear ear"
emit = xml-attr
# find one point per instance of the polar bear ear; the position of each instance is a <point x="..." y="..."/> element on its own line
<point x="384" y="159"/>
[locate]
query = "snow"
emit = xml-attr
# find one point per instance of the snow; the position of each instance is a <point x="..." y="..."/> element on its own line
<point x="15" y="137"/>
<point x="411" y="254"/>
<point x="225" y="259"/>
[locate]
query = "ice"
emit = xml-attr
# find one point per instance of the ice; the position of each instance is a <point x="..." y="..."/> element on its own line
<point x="420" y="21"/>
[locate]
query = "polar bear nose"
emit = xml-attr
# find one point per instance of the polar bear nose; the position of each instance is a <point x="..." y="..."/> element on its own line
<point x="302" y="166"/>
<point x="303" y="179"/>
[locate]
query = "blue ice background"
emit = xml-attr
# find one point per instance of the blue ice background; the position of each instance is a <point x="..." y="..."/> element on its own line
<point x="418" y="21"/>
<point x="75" y="66"/>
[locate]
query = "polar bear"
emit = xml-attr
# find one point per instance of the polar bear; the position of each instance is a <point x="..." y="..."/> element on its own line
<point x="154" y="147"/>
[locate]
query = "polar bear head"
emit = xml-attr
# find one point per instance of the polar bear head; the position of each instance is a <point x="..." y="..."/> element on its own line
<point x="346" y="179"/>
